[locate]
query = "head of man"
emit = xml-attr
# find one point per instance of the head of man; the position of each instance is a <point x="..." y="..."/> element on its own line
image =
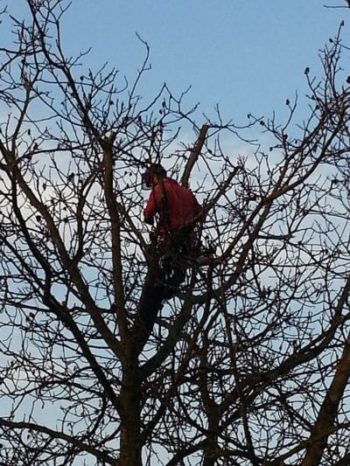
<point x="152" y="175"/>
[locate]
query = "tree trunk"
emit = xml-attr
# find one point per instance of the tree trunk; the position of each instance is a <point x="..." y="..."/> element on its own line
<point x="130" y="400"/>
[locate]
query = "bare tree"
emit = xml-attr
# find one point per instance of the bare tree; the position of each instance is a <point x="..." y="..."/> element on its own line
<point x="248" y="362"/>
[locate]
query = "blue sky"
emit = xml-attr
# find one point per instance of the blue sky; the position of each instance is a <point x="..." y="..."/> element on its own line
<point x="246" y="55"/>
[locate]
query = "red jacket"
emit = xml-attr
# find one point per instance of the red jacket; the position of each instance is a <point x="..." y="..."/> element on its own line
<point x="176" y="206"/>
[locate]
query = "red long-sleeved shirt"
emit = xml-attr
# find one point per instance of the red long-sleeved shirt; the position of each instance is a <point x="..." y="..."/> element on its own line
<point x="176" y="206"/>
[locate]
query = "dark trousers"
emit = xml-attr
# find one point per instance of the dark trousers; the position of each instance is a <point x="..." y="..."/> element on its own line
<point x="169" y="256"/>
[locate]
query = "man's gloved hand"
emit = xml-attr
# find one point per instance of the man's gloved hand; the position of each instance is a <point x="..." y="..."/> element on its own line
<point x="148" y="220"/>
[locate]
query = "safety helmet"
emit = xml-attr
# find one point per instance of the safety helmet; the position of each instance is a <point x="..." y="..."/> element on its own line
<point x="152" y="170"/>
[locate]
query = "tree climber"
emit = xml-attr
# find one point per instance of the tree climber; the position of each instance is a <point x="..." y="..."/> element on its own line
<point x="177" y="212"/>
<point x="176" y="206"/>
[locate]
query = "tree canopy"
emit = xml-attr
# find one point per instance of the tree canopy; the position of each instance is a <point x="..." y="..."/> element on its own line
<point x="248" y="363"/>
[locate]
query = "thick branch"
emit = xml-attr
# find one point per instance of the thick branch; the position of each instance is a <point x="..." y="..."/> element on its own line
<point x="328" y="411"/>
<point x="194" y="155"/>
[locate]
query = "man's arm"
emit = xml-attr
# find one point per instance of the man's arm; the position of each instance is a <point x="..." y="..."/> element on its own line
<point x="151" y="207"/>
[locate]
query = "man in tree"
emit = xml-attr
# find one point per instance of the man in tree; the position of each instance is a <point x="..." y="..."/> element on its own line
<point x="178" y="211"/>
<point x="176" y="205"/>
